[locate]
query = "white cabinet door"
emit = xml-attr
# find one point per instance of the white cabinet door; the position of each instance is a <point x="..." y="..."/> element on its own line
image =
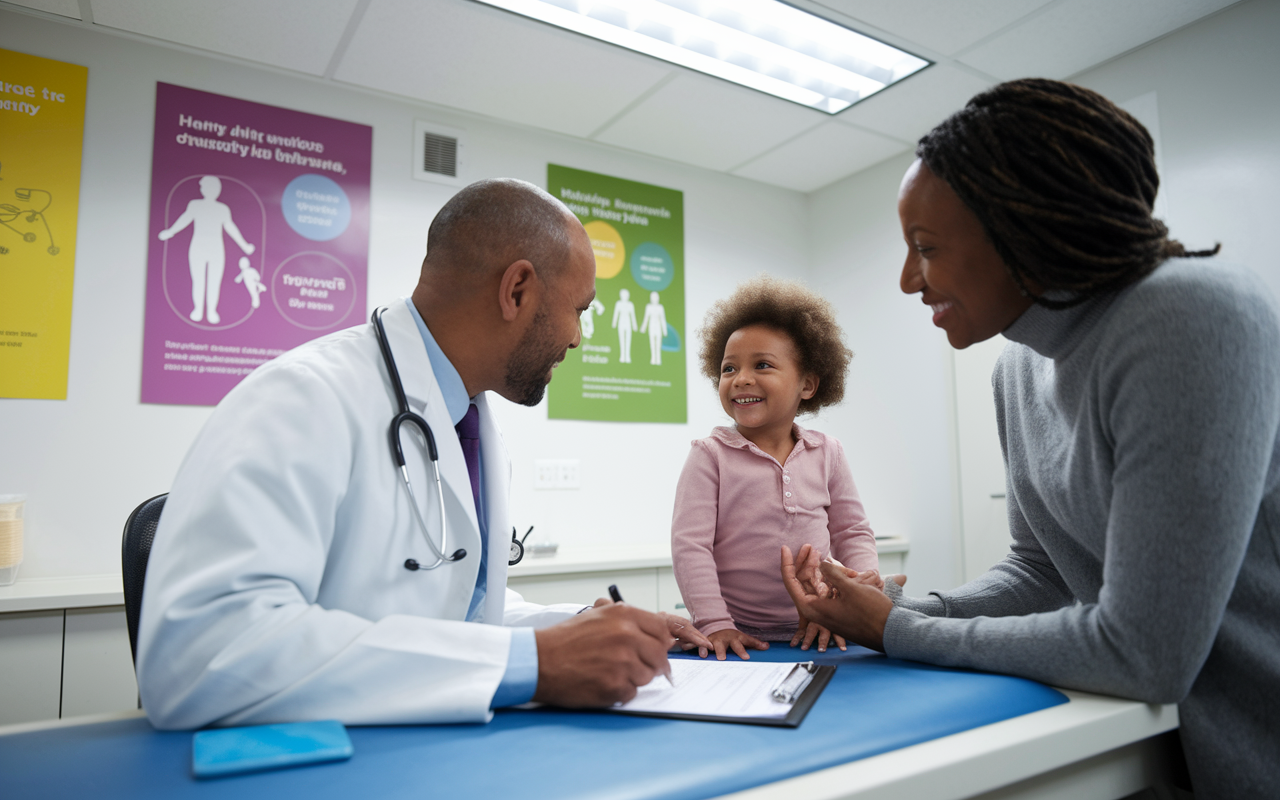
<point x="97" y="672"/>
<point x="30" y="666"/>
<point x="982" y="483"/>
<point x="669" y="599"/>
<point x="639" y="587"/>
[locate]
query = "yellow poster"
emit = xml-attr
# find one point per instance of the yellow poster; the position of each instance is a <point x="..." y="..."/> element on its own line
<point x="41" y="137"/>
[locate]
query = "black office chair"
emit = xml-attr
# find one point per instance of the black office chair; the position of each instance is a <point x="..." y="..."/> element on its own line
<point x="135" y="549"/>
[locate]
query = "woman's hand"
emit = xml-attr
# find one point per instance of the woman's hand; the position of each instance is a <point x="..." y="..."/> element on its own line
<point x="824" y="593"/>
<point x="687" y="636"/>
<point x="732" y="639"/>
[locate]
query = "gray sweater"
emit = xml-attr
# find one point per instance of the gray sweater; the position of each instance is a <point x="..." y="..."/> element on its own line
<point x="1141" y="436"/>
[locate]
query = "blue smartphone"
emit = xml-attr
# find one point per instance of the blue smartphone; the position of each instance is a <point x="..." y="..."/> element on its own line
<point x="233" y="751"/>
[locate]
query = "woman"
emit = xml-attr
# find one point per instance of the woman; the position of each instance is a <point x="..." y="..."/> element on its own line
<point x="1139" y="408"/>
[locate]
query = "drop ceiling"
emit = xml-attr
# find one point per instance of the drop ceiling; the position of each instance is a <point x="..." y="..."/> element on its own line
<point x="463" y="55"/>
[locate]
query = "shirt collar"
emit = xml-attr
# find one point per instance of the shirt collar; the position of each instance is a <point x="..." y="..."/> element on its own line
<point x="731" y="438"/>
<point x="447" y="377"/>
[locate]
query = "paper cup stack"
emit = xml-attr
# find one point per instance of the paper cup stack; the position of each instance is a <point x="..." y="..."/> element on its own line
<point x="10" y="536"/>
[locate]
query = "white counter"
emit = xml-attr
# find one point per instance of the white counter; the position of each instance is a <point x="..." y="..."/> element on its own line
<point x="81" y="591"/>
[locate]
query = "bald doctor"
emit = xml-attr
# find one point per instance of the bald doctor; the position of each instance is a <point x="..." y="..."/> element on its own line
<point x="282" y="583"/>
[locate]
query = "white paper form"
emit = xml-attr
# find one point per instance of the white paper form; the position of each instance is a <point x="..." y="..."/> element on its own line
<point x="714" y="688"/>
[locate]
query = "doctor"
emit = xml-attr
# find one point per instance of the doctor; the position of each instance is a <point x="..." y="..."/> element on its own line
<point x="280" y="584"/>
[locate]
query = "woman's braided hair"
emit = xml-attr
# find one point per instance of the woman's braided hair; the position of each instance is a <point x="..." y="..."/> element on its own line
<point x="1063" y="182"/>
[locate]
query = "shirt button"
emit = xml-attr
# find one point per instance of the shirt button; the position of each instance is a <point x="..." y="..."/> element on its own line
<point x="786" y="479"/>
<point x="788" y="494"/>
<point x="791" y="509"/>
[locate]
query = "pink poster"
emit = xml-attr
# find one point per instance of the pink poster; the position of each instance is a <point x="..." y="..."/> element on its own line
<point x="259" y="239"/>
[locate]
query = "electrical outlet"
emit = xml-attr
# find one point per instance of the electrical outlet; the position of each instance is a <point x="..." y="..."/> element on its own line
<point x="544" y="474"/>
<point x="567" y="474"/>
<point x="556" y="473"/>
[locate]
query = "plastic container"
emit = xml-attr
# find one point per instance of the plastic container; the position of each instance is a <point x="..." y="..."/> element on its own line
<point x="11" y="522"/>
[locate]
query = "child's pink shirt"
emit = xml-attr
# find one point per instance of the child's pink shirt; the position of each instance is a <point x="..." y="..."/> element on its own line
<point x="735" y="508"/>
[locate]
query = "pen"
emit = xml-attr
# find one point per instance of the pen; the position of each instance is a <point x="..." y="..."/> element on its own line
<point x="616" y="596"/>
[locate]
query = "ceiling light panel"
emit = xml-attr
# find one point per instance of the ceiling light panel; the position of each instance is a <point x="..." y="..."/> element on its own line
<point x="762" y="44"/>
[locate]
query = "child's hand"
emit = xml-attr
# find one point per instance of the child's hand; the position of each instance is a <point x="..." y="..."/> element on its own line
<point x="808" y="631"/>
<point x="733" y="639"/>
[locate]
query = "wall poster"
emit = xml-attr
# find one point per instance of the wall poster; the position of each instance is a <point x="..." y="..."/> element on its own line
<point x="41" y="140"/>
<point x="259" y="239"/>
<point x="631" y="364"/>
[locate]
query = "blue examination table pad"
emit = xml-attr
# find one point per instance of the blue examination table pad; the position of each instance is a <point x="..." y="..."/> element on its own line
<point x="872" y="705"/>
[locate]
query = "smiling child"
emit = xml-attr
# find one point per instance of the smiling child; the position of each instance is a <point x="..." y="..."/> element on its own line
<point x="774" y="350"/>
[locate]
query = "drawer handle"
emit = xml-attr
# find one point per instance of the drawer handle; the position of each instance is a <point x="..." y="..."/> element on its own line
<point x="679" y="606"/>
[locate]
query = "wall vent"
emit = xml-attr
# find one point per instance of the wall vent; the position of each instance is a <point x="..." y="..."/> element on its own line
<point x="439" y="153"/>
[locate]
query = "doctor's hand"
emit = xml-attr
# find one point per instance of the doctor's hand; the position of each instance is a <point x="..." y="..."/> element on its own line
<point x="600" y="658"/>
<point x="830" y="597"/>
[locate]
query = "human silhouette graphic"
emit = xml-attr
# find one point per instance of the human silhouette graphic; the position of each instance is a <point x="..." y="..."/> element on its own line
<point x="655" y="323"/>
<point x="588" y="321"/>
<point x="624" y="319"/>
<point x="252" y="280"/>
<point x="206" y="255"/>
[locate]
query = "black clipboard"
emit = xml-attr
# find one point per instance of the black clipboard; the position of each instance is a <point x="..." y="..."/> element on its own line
<point x="799" y="709"/>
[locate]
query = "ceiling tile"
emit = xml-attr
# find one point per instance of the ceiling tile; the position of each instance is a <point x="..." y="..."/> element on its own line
<point x="295" y="34"/>
<point x="821" y="156"/>
<point x="63" y="8"/>
<point x="1077" y="34"/>
<point x="910" y="109"/>
<point x="709" y="123"/>
<point x="943" y="26"/>
<point x="484" y="60"/>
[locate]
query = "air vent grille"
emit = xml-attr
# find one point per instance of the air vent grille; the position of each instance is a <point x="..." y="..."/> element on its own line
<point x="440" y="154"/>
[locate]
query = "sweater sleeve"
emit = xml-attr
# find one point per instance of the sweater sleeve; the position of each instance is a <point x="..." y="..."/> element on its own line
<point x="852" y="540"/>
<point x="1189" y="383"/>
<point x="693" y="536"/>
<point x="1025" y="582"/>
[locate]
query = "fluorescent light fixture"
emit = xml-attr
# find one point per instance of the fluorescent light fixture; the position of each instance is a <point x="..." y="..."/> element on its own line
<point x="765" y="45"/>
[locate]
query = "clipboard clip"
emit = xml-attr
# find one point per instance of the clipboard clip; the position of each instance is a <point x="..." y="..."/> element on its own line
<point x="794" y="682"/>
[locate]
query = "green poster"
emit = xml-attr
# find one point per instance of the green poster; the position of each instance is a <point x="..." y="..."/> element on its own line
<point x="631" y="364"/>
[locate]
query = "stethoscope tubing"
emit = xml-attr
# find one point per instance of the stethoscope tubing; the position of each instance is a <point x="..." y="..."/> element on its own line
<point x="404" y="416"/>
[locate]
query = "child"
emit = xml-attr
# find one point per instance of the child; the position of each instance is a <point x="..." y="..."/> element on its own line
<point x="774" y="350"/>
<point x="252" y="281"/>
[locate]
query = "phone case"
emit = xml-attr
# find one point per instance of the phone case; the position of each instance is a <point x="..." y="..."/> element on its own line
<point x="232" y="751"/>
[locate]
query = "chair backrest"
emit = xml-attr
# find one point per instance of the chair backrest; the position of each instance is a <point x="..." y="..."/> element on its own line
<point x="135" y="549"/>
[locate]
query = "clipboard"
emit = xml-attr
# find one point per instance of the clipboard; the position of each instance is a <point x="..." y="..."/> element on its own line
<point x="803" y="684"/>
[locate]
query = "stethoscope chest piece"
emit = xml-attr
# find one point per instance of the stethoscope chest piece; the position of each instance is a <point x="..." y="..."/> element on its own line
<point x="517" y="546"/>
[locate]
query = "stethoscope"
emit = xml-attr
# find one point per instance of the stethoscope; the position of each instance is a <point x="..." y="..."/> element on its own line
<point x="397" y="453"/>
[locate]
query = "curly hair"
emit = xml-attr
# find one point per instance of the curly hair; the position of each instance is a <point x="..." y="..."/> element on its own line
<point x="807" y="318"/>
<point x="1063" y="182"/>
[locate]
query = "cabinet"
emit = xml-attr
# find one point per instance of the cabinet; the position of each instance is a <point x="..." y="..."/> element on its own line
<point x="644" y="578"/>
<point x="64" y="649"/>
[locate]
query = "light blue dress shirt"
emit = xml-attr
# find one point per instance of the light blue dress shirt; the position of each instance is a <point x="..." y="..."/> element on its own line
<point x="521" y="678"/>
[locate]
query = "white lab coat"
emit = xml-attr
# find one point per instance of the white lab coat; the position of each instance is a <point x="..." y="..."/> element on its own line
<point x="276" y="589"/>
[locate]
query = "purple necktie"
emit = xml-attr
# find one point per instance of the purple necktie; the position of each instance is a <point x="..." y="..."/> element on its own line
<point x="469" y="437"/>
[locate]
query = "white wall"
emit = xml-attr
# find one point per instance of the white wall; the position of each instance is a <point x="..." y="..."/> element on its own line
<point x="87" y="461"/>
<point x="1218" y="101"/>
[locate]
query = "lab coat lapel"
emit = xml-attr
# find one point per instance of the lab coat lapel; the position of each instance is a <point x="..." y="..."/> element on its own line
<point x="497" y="492"/>
<point x="423" y="394"/>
